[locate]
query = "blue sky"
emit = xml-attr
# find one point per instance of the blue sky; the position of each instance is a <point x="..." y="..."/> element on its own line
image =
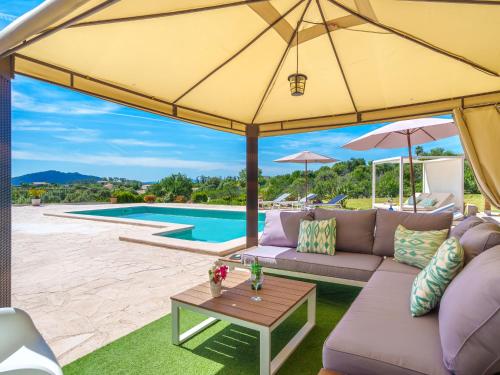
<point x="55" y="128"/>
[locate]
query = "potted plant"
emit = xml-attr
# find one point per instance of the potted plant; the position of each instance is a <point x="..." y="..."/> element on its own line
<point x="36" y="196"/>
<point x="216" y="275"/>
<point x="113" y="199"/>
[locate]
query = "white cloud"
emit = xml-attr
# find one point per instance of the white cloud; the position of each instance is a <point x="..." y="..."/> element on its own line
<point x="7" y="17"/>
<point x="137" y="142"/>
<point x="317" y="141"/>
<point x="78" y="138"/>
<point x="27" y="103"/>
<point x="128" y="161"/>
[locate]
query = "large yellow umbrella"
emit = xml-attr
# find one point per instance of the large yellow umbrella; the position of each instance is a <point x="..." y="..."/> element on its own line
<point x="232" y="64"/>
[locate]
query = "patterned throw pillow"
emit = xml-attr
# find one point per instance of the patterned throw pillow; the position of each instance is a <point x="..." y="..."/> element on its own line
<point x="431" y="282"/>
<point x="317" y="236"/>
<point x="427" y="202"/>
<point x="415" y="247"/>
<point x="409" y="202"/>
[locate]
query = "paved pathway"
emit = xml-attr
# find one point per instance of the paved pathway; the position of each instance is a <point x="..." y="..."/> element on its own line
<point x="83" y="287"/>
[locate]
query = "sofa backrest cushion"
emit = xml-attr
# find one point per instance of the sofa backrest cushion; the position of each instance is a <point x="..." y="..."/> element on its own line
<point x="469" y="317"/>
<point x="480" y="238"/>
<point x="282" y="227"/>
<point x="355" y="229"/>
<point x="464" y="226"/>
<point x="387" y="222"/>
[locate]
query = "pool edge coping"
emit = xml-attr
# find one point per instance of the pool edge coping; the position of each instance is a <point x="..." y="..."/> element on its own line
<point x="153" y="238"/>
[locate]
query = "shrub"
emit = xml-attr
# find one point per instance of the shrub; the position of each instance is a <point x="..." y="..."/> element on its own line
<point x="127" y="197"/>
<point x="180" y="199"/>
<point x="150" y="198"/>
<point x="199" y="197"/>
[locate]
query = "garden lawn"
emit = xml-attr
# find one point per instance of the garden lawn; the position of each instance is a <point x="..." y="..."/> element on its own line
<point x="221" y="349"/>
<point x="366" y="203"/>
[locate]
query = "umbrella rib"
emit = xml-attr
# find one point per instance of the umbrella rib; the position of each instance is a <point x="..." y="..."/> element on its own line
<point x="269" y="27"/>
<point x="382" y="140"/>
<point x="426" y="132"/>
<point x="336" y="55"/>
<point x="165" y="14"/>
<point x="416" y="40"/>
<point x="273" y="77"/>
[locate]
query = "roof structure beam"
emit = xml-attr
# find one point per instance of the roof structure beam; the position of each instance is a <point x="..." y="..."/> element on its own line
<point x="62" y="26"/>
<point x="257" y="37"/>
<point x="473" y="2"/>
<point x="416" y="40"/>
<point x="336" y="55"/>
<point x="273" y="77"/>
<point x="166" y="14"/>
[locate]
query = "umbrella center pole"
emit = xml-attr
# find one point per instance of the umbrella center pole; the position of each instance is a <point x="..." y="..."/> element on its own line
<point x="412" y="174"/>
<point x="305" y="204"/>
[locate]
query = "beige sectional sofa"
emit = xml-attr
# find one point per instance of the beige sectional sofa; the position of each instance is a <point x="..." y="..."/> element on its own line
<point x="378" y="335"/>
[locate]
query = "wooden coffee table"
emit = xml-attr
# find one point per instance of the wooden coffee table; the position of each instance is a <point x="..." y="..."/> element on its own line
<point x="281" y="297"/>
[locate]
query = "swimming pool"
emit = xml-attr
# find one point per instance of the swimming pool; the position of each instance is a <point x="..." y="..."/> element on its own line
<point x="209" y="225"/>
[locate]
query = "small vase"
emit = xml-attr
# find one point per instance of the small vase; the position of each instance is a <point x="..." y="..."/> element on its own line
<point x="216" y="289"/>
<point x="35" y="201"/>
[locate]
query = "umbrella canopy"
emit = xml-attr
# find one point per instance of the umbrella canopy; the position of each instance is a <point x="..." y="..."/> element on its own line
<point x="394" y="135"/>
<point x="225" y="64"/>
<point x="405" y="134"/>
<point x="306" y="157"/>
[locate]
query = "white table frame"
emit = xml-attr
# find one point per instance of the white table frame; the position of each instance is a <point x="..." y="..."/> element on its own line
<point x="268" y="366"/>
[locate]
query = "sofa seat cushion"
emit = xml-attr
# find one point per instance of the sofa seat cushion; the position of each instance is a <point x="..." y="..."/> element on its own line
<point x="377" y="335"/>
<point x="469" y="317"/>
<point x="354" y="228"/>
<point x="392" y="265"/>
<point x="344" y="265"/>
<point x="387" y="222"/>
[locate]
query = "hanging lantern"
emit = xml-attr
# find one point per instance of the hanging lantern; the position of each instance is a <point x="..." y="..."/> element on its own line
<point x="297" y="80"/>
<point x="297" y="84"/>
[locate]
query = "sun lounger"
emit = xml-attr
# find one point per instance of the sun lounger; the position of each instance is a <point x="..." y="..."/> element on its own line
<point x="440" y="200"/>
<point x="334" y="202"/>
<point x="302" y="201"/>
<point x="274" y="202"/>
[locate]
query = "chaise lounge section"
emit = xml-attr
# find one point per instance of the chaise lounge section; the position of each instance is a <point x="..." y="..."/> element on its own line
<point x="378" y="335"/>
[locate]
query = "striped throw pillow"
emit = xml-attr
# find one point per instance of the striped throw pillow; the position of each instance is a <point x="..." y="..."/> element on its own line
<point x="431" y="282"/>
<point x="415" y="247"/>
<point x="317" y="236"/>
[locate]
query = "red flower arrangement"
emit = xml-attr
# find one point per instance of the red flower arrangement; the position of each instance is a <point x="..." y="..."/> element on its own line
<point x="218" y="272"/>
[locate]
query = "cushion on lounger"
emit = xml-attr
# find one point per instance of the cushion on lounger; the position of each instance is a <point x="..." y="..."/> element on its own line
<point x="355" y="229"/>
<point x="387" y="222"/>
<point x="469" y="317"/>
<point x="282" y="228"/>
<point x="480" y="238"/>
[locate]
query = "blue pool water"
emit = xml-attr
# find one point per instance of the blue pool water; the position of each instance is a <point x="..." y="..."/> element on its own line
<point x="209" y="225"/>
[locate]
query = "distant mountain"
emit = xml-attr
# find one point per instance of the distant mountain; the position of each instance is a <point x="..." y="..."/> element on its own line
<point x="53" y="177"/>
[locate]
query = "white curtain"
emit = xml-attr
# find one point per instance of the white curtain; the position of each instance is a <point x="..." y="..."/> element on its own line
<point x="479" y="130"/>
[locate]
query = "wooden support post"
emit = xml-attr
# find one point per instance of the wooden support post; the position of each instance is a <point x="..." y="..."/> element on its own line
<point x="5" y="176"/>
<point x="252" y="185"/>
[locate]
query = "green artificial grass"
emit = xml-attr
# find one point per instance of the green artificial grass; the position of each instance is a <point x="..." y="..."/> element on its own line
<point x="221" y="349"/>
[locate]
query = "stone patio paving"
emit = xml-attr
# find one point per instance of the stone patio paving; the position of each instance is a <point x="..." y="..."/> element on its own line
<point x="83" y="287"/>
